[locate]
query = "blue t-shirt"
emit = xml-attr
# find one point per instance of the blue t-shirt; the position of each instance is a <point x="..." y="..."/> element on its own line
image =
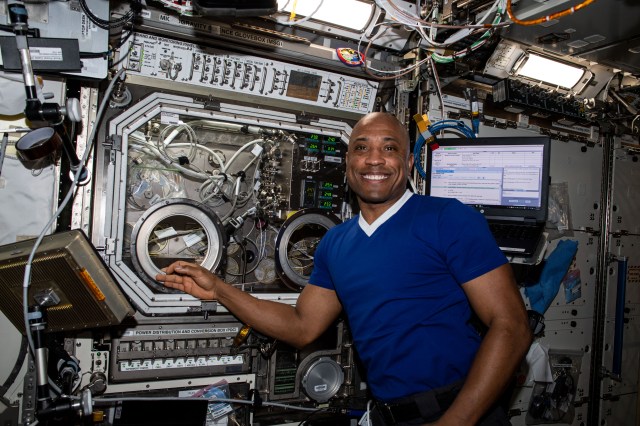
<point x="401" y="291"/>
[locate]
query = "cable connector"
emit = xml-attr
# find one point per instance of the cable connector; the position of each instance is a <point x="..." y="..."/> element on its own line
<point x="424" y="126"/>
<point x="235" y="223"/>
<point x="474" y="107"/>
<point x="422" y="121"/>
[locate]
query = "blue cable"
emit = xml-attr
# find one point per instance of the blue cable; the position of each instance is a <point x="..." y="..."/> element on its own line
<point x="434" y="128"/>
<point x="454" y="125"/>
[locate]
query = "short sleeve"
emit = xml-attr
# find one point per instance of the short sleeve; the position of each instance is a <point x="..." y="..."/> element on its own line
<point x="467" y="243"/>
<point x="320" y="276"/>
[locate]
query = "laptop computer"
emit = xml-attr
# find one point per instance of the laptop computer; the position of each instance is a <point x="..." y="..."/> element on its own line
<point x="505" y="179"/>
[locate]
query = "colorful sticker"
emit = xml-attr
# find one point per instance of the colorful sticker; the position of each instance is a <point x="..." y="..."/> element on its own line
<point x="350" y="56"/>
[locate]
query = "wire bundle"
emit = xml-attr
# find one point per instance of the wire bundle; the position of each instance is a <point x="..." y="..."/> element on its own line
<point x="430" y="137"/>
<point x="109" y="24"/>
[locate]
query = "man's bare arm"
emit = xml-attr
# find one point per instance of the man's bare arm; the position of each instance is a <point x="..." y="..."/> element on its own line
<point x="495" y="298"/>
<point x="315" y="309"/>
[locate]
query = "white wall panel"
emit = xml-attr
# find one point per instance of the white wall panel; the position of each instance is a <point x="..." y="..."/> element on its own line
<point x="619" y="411"/>
<point x="626" y="192"/>
<point x="580" y="167"/>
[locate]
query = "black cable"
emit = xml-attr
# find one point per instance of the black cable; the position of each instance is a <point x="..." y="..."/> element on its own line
<point x="91" y="55"/>
<point x="244" y="261"/>
<point x="33" y="32"/>
<point x="124" y="35"/>
<point x="124" y="39"/>
<point x="67" y="384"/>
<point x="102" y="23"/>
<point x="313" y="413"/>
<point x="120" y="44"/>
<point x="108" y="24"/>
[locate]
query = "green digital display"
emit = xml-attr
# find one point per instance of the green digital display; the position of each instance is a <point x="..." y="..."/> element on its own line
<point x="308" y="194"/>
<point x="312" y="146"/>
<point x="330" y="139"/>
<point x="326" y="204"/>
<point x="329" y="149"/>
<point x="327" y="194"/>
<point x="314" y="137"/>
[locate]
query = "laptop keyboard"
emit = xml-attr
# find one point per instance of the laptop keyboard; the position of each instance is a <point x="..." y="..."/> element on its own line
<point x="513" y="231"/>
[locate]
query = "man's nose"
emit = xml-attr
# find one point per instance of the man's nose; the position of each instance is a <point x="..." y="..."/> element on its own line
<point x="375" y="156"/>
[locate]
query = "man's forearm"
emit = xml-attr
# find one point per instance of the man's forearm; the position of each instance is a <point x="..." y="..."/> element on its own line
<point x="273" y="319"/>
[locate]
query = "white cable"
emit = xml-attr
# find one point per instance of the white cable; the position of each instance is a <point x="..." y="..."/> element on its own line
<point x="408" y="68"/>
<point x="284" y="6"/>
<point x="16" y="130"/>
<point x="203" y="148"/>
<point x="27" y="269"/>
<point x="401" y="17"/>
<point x="138" y="140"/>
<point x="412" y="184"/>
<point x="165" y="141"/>
<point x="263" y="243"/>
<point x="413" y="21"/>
<point x="436" y="78"/>
<point x="153" y="152"/>
<point x="463" y="33"/>
<point x="633" y="123"/>
<point x="233" y="208"/>
<point x="250" y="163"/>
<point x="204" y="188"/>
<point x="237" y="153"/>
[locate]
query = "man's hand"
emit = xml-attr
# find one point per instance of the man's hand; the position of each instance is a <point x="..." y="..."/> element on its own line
<point x="190" y="278"/>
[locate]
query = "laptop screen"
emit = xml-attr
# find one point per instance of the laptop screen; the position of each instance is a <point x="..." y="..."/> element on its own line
<point x="500" y="177"/>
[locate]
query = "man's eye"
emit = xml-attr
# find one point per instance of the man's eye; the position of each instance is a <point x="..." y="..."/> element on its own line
<point x="359" y="148"/>
<point x="390" y="148"/>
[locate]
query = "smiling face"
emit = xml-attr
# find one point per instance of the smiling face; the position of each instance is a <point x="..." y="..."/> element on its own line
<point x="378" y="163"/>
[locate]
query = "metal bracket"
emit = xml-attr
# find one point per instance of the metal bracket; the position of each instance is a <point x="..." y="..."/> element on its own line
<point x="620" y="233"/>
<point x="305" y="118"/>
<point x="208" y="306"/>
<point x="113" y="142"/>
<point x="29" y="401"/>
<point x="604" y="373"/>
<point x="110" y="246"/>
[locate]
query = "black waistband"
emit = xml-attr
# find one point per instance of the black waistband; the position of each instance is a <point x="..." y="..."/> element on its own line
<point x="426" y="405"/>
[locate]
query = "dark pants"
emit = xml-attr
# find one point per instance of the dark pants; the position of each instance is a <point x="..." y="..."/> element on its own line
<point x="427" y="407"/>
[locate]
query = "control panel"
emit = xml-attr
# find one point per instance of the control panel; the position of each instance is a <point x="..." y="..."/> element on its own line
<point x="319" y="175"/>
<point x="176" y="350"/>
<point x="219" y="72"/>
